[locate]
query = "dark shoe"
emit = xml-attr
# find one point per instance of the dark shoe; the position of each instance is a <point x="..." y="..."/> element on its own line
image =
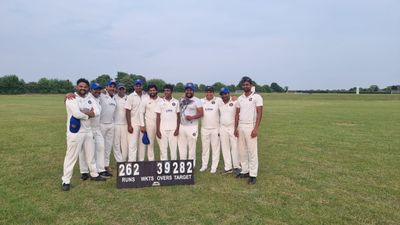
<point x="237" y="171"/>
<point x="227" y="171"/>
<point x="108" y="169"/>
<point x="105" y="174"/>
<point x="98" y="178"/>
<point x="84" y="176"/>
<point x="243" y="175"/>
<point x="252" y="180"/>
<point x="65" y="187"/>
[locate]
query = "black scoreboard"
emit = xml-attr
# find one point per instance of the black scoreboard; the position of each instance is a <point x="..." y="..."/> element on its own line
<point x="154" y="173"/>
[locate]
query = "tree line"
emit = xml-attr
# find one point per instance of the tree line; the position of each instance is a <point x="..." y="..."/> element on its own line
<point x="12" y="84"/>
<point x="372" y="89"/>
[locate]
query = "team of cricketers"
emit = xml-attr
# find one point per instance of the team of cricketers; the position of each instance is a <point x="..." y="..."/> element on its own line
<point x="100" y="121"/>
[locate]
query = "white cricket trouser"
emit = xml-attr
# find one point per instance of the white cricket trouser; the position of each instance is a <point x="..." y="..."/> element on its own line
<point x="151" y="128"/>
<point x="121" y="140"/>
<point x="168" y="138"/>
<point x="248" y="150"/>
<point x="210" y="136"/>
<point x="187" y="139"/>
<point x="134" y="143"/>
<point x="229" y="147"/>
<point x="75" y="142"/>
<point x="98" y="152"/>
<point x="107" y="130"/>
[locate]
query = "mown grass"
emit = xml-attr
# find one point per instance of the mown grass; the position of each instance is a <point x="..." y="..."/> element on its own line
<point x="324" y="159"/>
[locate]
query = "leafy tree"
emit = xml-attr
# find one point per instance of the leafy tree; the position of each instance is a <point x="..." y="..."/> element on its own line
<point x="217" y="86"/>
<point x="202" y="87"/>
<point x="266" y="88"/>
<point x="373" y="88"/>
<point x="102" y="79"/>
<point x="158" y="82"/>
<point x="11" y="84"/>
<point x="179" y="87"/>
<point x="232" y="88"/>
<point x="276" y="88"/>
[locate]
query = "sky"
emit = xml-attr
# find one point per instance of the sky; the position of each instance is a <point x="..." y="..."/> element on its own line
<point x="302" y="44"/>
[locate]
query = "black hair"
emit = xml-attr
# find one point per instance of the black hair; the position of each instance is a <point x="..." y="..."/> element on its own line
<point x="82" y="80"/>
<point x="246" y="79"/>
<point x="152" y="86"/>
<point x="168" y="86"/>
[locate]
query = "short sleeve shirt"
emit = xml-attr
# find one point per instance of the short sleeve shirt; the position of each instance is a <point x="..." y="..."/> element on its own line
<point x="189" y="107"/>
<point x="247" y="106"/>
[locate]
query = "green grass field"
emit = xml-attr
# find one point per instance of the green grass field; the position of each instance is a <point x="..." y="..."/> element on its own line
<point x="324" y="159"/>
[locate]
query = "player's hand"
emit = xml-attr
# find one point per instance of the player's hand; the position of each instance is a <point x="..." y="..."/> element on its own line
<point x="236" y="133"/>
<point x="158" y="133"/>
<point x="176" y="133"/>
<point x="142" y="129"/>
<point x="254" y="133"/>
<point x="189" y="118"/>
<point x="130" y="129"/>
<point x="69" y="96"/>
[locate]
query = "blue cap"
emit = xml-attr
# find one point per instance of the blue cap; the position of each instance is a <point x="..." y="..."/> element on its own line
<point x="190" y="85"/>
<point x="224" y="90"/>
<point x="145" y="139"/>
<point x="111" y="82"/>
<point x="138" y="81"/>
<point x="95" y="86"/>
<point x="74" y="124"/>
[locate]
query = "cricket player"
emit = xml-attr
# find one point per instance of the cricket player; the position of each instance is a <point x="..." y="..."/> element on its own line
<point x="132" y="110"/>
<point x="108" y="106"/>
<point x="148" y="121"/>
<point x="191" y="111"/>
<point x="168" y="123"/>
<point x="79" y="133"/>
<point x="227" y="110"/>
<point x="248" y="117"/>
<point x="120" y="125"/>
<point x="95" y="91"/>
<point x="210" y="130"/>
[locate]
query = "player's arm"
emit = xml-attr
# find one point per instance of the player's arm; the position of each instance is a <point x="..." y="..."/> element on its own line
<point x="178" y="123"/>
<point x="142" y="111"/>
<point x="128" y="109"/>
<point x="237" y="121"/>
<point x="69" y="96"/>
<point x="199" y="114"/>
<point x="158" y="122"/>
<point x="96" y="109"/>
<point x="178" y="119"/>
<point x="259" y="110"/>
<point x="72" y="106"/>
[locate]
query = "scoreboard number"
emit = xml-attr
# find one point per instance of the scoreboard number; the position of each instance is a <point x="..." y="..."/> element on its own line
<point x="177" y="167"/>
<point x="155" y="173"/>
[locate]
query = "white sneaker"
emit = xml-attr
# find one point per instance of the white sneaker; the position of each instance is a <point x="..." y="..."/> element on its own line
<point x="213" y="171"/>
<point x="202" y="169"/>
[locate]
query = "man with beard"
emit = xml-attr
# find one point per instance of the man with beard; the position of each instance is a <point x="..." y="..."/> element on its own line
<point x="148" y="119"/>
<point x="210" y="130"/>
<point x="120" y="125"/>
<point x="108" y="105"/>
<point x="168" y="122"/>
<point x="191" y="112"/>
<point x="95" y="91"/>
<point x="248" y="116"/>
<point x="227" y="110"/>
<point x="79" y="133"/>
<point x="132" y="110"/>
